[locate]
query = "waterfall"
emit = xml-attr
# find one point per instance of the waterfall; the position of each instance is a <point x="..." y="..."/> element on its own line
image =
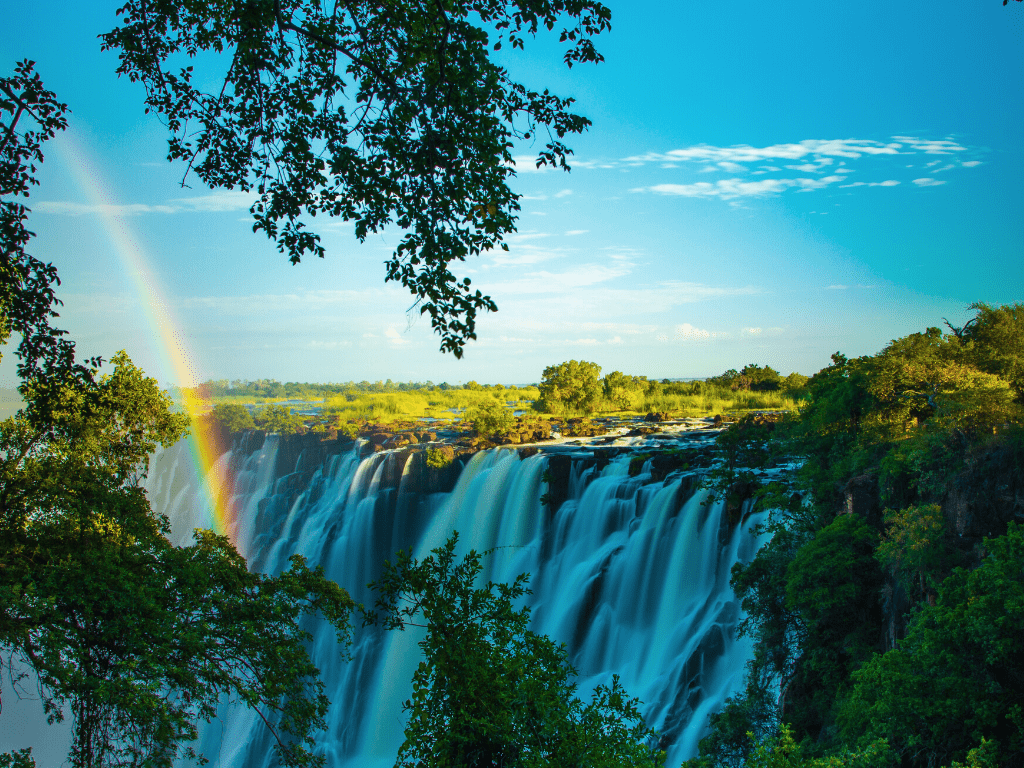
<point x="630" y="572"/>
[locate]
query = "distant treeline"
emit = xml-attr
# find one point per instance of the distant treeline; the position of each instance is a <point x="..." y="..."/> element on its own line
<point x="271" y="389"/>
<point x="752" y="377"/>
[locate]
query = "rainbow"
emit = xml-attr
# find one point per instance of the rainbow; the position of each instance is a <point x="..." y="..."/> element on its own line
<point x="205" y="441"/>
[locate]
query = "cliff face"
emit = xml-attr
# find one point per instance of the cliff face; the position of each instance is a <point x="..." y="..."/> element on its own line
<point x="988" y="494"/>
<point x="977" y="502"/>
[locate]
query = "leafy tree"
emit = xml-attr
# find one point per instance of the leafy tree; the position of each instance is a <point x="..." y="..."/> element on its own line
<point x="29" y="116"/>
<point x="994" y="342"/>
<point x="625" y="392"/>
<point x="958" y="676"/>
<point x="278" y="418"/>
<point x="833" y="581"/>
<point x="234" y="417"/>
<point x="385" y="115"/>
<point x="573" y="386"/>
<point x="751" y="377"/>
<point x="489" y="418"/>
<point x="440" y="457"/>
<point x="138" y="639"/>
<point x="795" y="382"/>
<point x="489" y="692"/>
<point x="913" y="548"/>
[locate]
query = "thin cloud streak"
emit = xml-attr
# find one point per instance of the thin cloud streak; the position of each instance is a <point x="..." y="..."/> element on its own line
<point x="730" y="189"/>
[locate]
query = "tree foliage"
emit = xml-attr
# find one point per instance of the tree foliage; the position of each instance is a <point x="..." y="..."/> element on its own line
<point x="490" y="418"/>
<point x="136" y="639"/>
<point x="279" y="419"/>
<point x="140" y="639"/>
<point x="233" y="417"/>
<point x="958" y="677"/>
<point x="624" y="392"/>
<point x="489" y="692"/>
<point x="384" y="115"/>
<point x="573" y="386"/>
<point x="869" y="623"/>
<point x="30" y="115"/>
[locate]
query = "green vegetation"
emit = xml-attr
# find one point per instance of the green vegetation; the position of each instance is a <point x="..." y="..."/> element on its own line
<point x="886" y="609"/>
<point x="490" y="418"/>
<point x="575" y="388"/>
<point x="425" y="146"/>
<point x="135" y="639"/>
<point x="234" y="417"/>
<point x="570" y="388"/>
<point x="440" y="457"/>
<point x="489" y="691"/>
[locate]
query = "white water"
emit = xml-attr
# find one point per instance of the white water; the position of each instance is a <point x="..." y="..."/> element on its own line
<point x="632" y="575"/>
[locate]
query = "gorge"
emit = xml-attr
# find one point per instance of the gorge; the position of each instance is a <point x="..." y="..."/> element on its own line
<point x="629" y="564"/>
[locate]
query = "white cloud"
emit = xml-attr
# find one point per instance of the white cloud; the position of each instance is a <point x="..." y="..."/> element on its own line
<point x="573" y="232"/>
<point x="729" y="189"/>
<point x="217" y="202"/>
<point x="557" y="282"/>
<point x="228" y="200"/>
<point x="930" y="146"/>
<point x="563" y="193"/>
<point x="395" y="338"/>
<point x="744" y="153"/>
<point x="688" y="332"/>
<point x="527" y="164"/>
<point x="62" y="208"/>
<point x="521" y="237"/>
<point x="971" y="163"/>
<point x="615" y="340"/>
<point x="886" y="183"/>
<point x="836" y="287"/>
<point x="928" y="182"/>
<point x="751" y="331"/>
<point x="520" y="255"/>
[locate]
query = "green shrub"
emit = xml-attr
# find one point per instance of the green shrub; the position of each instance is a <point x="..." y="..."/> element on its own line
<point x="490" y="418"/>
<point x="234" y="417"/>
<point x="441" y="457"/>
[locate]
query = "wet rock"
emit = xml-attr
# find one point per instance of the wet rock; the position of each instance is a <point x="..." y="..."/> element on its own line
<point x="558" y="471"/>
<point x="657" y="416"/>
<point x="860" y="497"/>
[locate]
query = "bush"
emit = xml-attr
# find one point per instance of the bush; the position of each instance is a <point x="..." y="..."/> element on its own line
<point x="439" y="458"/>
<point x="234" y="417"/>
<point x="489" y="418"/>
<point x="278" y="418"/>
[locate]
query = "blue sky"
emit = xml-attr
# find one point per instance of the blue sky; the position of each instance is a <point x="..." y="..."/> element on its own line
<point x="763" y="183"/>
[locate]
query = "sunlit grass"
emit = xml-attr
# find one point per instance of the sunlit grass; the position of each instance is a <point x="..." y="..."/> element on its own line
<point x="449" y="404"/>
<point x="420" y="404"/>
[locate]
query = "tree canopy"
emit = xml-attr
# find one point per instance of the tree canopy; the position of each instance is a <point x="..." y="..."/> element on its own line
<point x="137" y="639"/>
<point x="885" y="606"/>
<point x="489" y="692"/>
<point x="384" y="115"/>
<point x="573" y="386"/>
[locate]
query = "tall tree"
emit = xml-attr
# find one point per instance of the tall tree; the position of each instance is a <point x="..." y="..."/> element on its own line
<point x="385" y="114"/>
<point x="574" y="386"/>
<point x="489" y="692"/>
<point x="137" y="639"/>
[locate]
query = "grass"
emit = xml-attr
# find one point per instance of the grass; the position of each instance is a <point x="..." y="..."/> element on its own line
<point x="449" y="404"/>
<point x="445" y="405"/>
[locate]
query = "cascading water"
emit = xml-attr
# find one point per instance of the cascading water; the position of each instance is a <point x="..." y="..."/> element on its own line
<point x="630" y="572"/>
